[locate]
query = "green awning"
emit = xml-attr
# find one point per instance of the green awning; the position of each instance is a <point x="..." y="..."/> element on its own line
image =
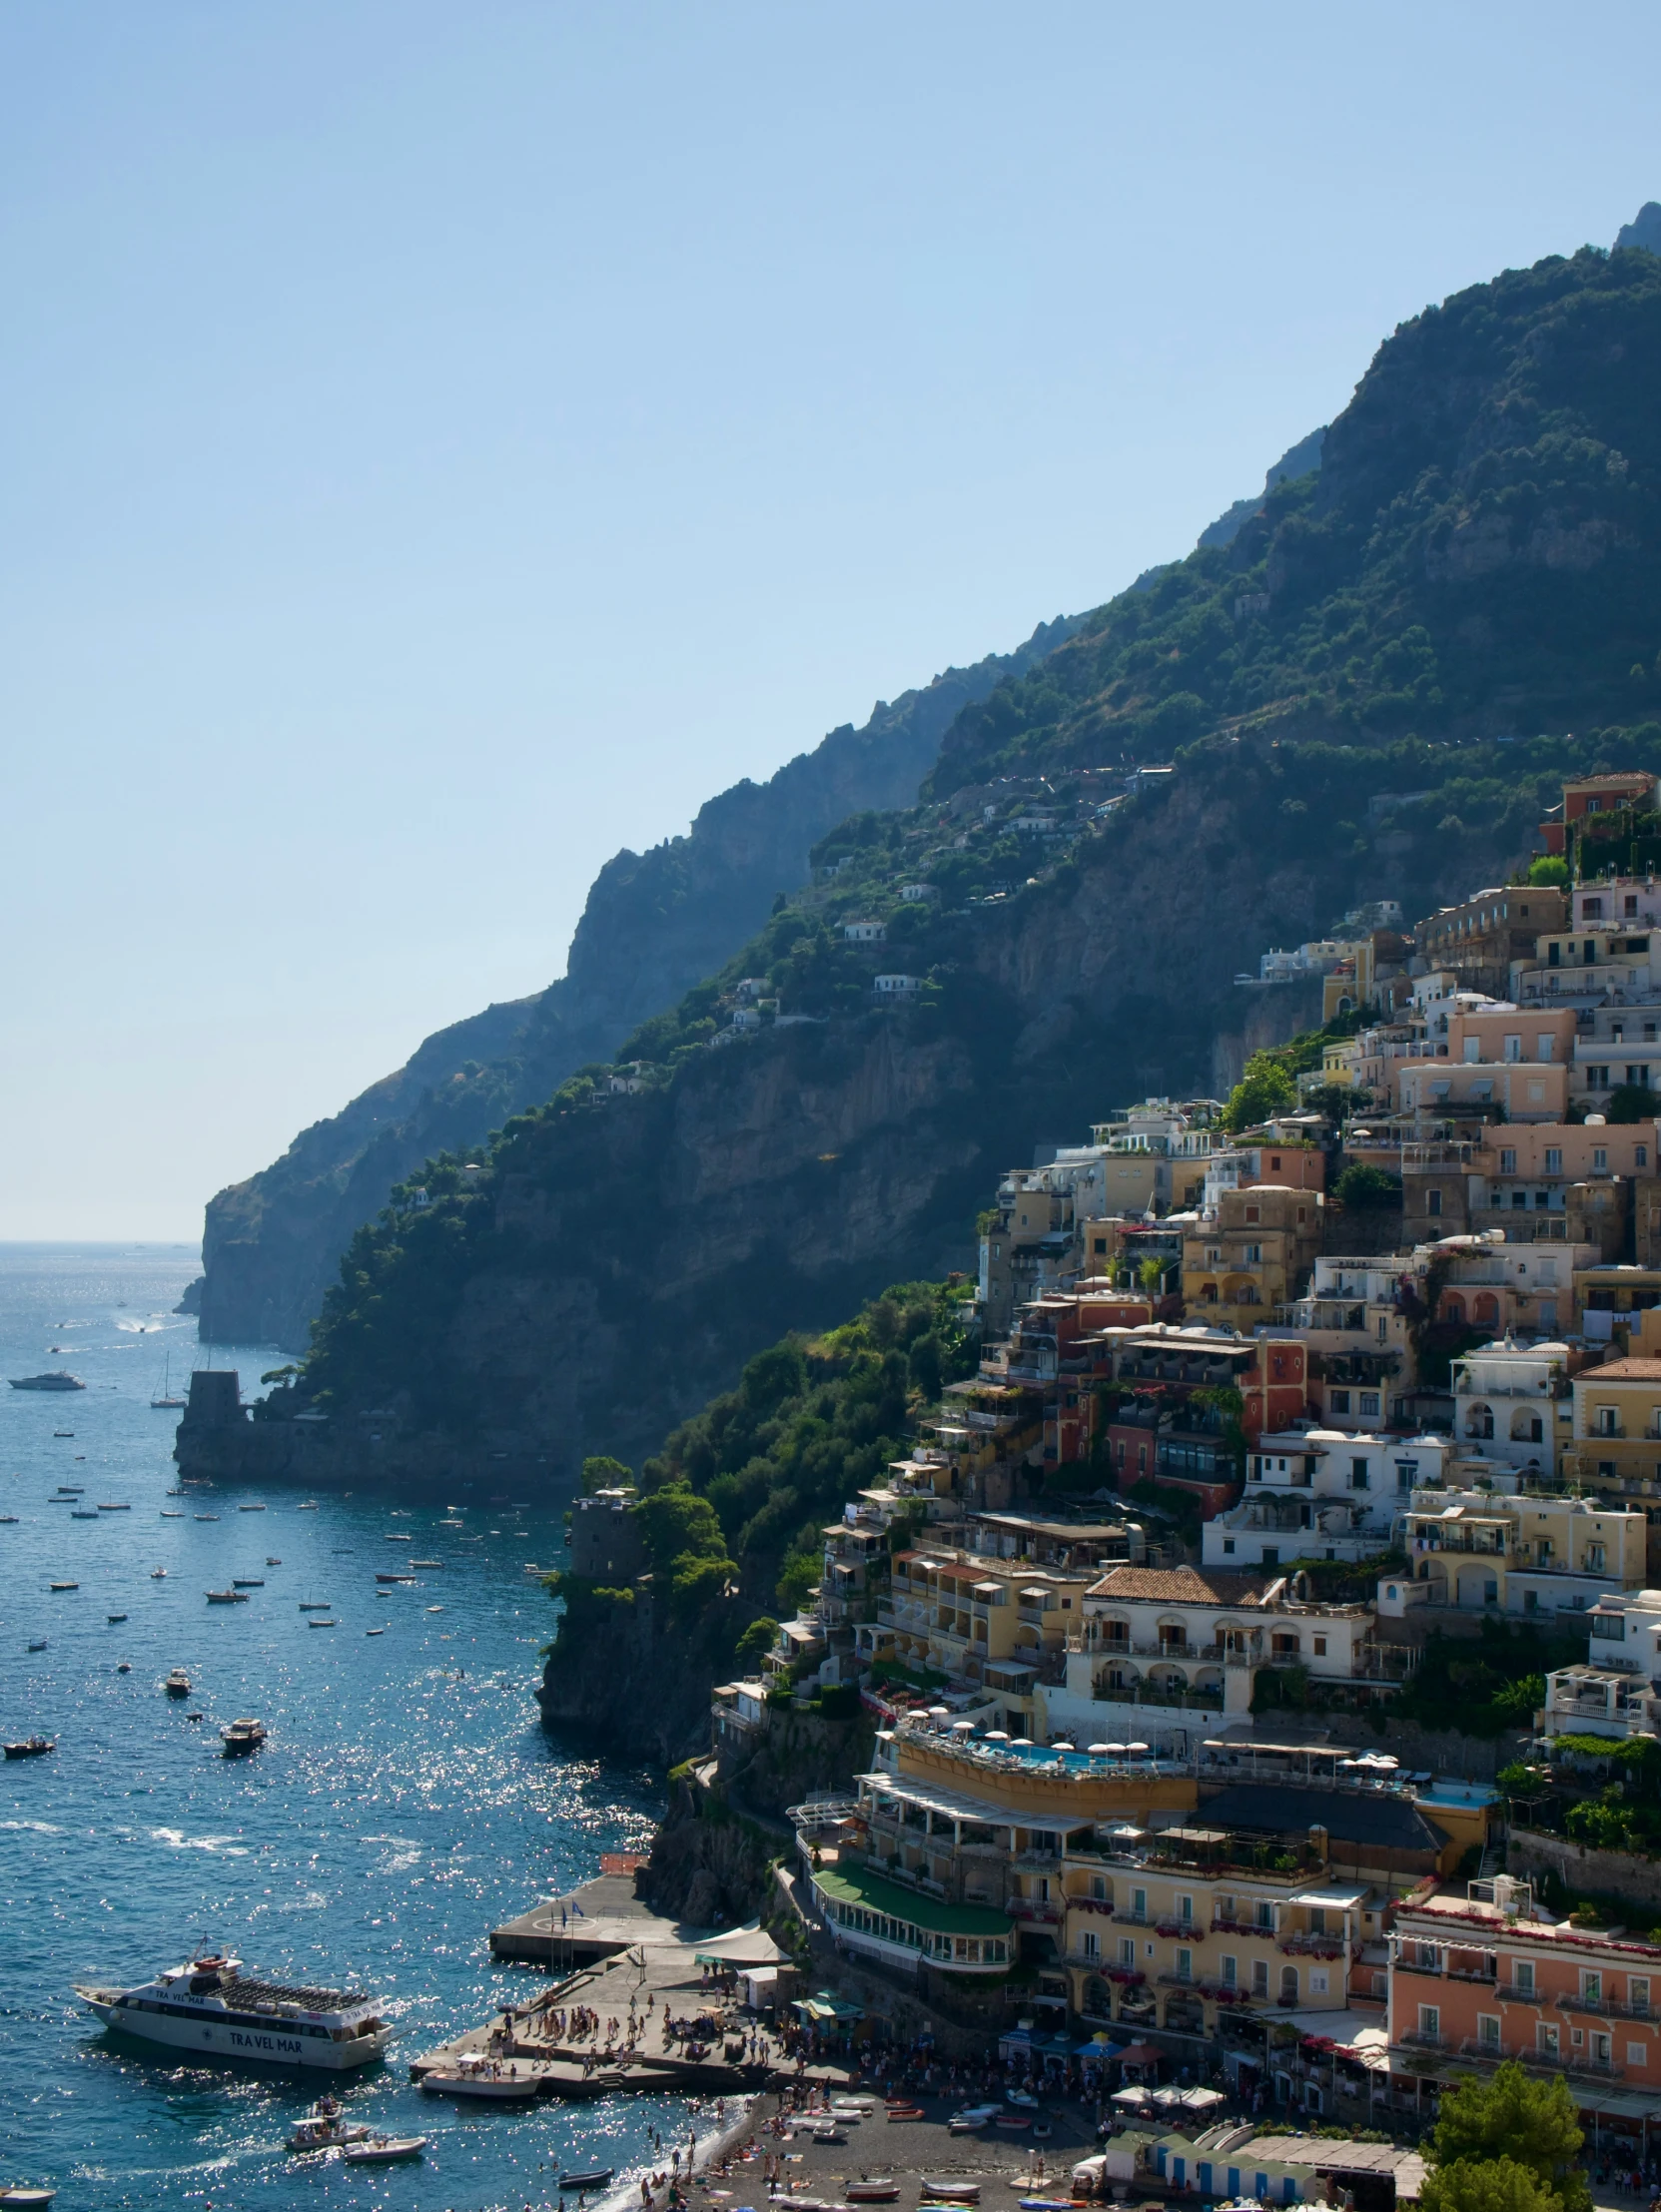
<point x="857" y="1885"/>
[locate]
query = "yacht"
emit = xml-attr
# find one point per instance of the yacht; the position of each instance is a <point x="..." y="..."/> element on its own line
<point x="211" y="2008"/>
<point x="241" y="1737"/>
<point x="59" y="1379"/>
<point x="177" y="1684"/>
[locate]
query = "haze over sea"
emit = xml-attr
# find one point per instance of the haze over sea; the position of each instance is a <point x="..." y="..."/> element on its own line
<point x="406" y="1802"/>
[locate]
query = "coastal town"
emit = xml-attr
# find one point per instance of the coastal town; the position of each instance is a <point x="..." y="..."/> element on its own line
<point x="1285" y="1405"/>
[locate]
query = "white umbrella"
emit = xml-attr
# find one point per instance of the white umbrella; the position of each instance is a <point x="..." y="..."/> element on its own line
<point x="1100" y="1750"/>
<point x="963" y="1728"/>
<point x="997" y="1735"/>
<point x="1133" y="1748"/>
<point x="1021" y="1744"/>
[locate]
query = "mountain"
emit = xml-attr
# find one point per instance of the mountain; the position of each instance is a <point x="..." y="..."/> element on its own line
<point x="1644" y="230"/>
<point x="1478" y="555"/>
<point x="655" y="924"/>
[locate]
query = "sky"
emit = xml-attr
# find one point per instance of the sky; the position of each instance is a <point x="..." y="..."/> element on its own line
<point x="440" y="446"/>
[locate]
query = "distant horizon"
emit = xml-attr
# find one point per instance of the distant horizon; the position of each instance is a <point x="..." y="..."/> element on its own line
<point x="445" y="447"/>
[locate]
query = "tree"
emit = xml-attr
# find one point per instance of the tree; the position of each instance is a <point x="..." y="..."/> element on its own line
<point x="756" y="1641"/>
<point x="1549" y="872"/>
<point x="600" y="1473"/>
<point x="1631" y="1101"/>
<point x="1508" y="2118"/>
<point x="1151" y="1275"/>
<point x="1265" y="1089"/>
<point x="1495" y="2185"/>
<point x="1364" y="1189"/>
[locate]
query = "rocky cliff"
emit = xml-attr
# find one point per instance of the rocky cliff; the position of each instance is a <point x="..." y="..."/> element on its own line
<point x="655" y="924"/>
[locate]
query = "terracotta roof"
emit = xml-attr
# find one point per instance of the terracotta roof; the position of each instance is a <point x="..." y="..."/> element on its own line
<point x="1623" y="1370"/>
<point x="1181" y="1586"/>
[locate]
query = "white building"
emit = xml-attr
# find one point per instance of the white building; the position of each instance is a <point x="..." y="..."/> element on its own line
<point x="1508" y="1400"/>
<point x="1322" y="1494"/>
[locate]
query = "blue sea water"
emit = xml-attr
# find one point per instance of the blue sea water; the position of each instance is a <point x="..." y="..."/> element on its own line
<point x="407" y="1802"/>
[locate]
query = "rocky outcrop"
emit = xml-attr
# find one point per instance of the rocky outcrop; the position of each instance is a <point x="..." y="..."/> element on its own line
<point x="654" y="924"/>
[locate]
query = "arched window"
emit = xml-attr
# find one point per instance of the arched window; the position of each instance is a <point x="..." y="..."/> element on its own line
<point x="1288" y="1985"/>
<point x="1454" y="1307"/>
<point x="1485" y="1311"/>
<point x="1480" y="1422"/>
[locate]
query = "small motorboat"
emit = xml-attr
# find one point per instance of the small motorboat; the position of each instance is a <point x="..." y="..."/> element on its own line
<point x="475" y="2080"/>
<point x="828" y="2133"/>
<point x="85" y="1513"/>
<point x="314" y="1622"/>
<point x="382" y="2150"/>
<point x="63" y="1433"/>
<point x="596" y="2177"/>
<point x="113" y="1618"/>
<point x="1023" y="2100"/>
<point x="375" y="1632"/>
<point x="872" y="2192"/>
<point x="324" y="2129"/>
<point x="38" y="1646"/>
<point x="8" y="1520"/>
<point x="250" y="1509"/>
<point x="242" y="1737"/>
<point x="309" y="1507"/>
<point x="32" y="1747"/>
<point x="905" y="2111"/>
<point x="432" y="1566"/>
<point x="172" y="1513"/>
<point x="177" y="1684"/>
<point x="227" y="1597"/>
<point x="394" y="1578"/>
<point x="1014" y="2121"/>
<point x="158" y="1574"/>
<point x="20" y="2194"/>
<point x="193" y="1716"/>
<point x="315" y="1605"/>
<point x="400" y="1539"/>
<point x="115" y="1509"/>
<point x="269" y="1562"/>
<point x="204" y="1516"/>
<point x="951" y="2192"/>
<point x="124" y="1666"/>
<point x="248" y="1582"/>
<point x="66" y="1586"/>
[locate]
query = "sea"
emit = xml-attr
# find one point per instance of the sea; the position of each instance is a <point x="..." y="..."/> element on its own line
<point x="406" y="1801"/>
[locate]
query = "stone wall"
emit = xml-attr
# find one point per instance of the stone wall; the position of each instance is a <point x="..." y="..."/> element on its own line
<point x="1636" y="1881"/>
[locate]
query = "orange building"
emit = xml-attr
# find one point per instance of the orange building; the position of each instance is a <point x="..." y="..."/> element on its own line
<point x="1607" y="794"/>
<point x="1478" y="1977"/>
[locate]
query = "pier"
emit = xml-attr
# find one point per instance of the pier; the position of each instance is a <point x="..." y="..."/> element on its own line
<point x="614" y="1957"/>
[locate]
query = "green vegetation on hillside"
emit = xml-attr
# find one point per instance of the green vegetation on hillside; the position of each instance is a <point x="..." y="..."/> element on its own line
<point x="1481" y="550"/>
<point x="735" y="1506"/>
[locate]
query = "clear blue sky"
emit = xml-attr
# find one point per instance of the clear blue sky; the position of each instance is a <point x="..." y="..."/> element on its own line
<point x="442" y="445"/>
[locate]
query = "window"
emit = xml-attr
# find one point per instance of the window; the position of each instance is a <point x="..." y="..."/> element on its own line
<point x="1603" y="2048"/>
<point x="1259" y="1978"/>
<point x="1430" y="2020"/>
<point x="1547" y="2039"/>
<point x="1433" y="1202"/>
<point x="1507" y="1161"/>
<point x="1317" y="1981"/>
<point x="1358" y="1479"/>
<point x="1138" y="1904"/>
<point x="1637" y="1993"/>
<point x="1227" y="1545"/>
<point x="1487" y="2031"/>
<point x="1640" y="1156"/>
<point x="1184" y="1910"/>
<point x="1522" y="1977"/>
<point x="1099" y="1888"/>
<point x="1253" y="1256"/>
<point x="1555" y="1160"/>
<point x="1320" y="1647"/>
<point x="1127" y="1952"/>
<point x="1637" y="2054"/>
<point x="1369" y="1404"/>
<point x="1263" y="1914"/>
<point x="1253" y="1213"/>
<point x="1591" y="1987"/>
<point x="1600" y="1159"/>
<point x="1184" y="1965"/>
<point x="1513" y="1048"/>
<point x="1337" y="1401"/>
<point x="1230" y="1967"/>
<point x="1606" y="1420"/>
<point x="1092" y="1945"/>
<point x="1545" y="1043"/>
<point x="1473" y="1049"/>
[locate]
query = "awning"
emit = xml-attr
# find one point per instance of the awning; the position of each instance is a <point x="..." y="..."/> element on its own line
<point x="739" y="1946"/>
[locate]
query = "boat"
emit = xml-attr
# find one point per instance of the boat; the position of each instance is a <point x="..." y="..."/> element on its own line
<point x="63" y="1433"/>
<point x="250" y="1509"/>
<point x="375" y="1632"/>
<point x="595" y="2177"/>
<point x="310" y="1506"/>
<point x="115" y="1509"/>
<point x="113" y="1618"/>
<point x="315" y="1605"/>
<point x="177" y="1684"/>
<point x="84" y="1512"/>
<point x="383" y="2150"/>
<point x="20" y="2193"/>
<point x="172" y="1514"/>
<point x="951" y="2192"/>
<point x="394" y="1578"/>
<point x="248" y="1582"/>
<point x="872" y="2192"/>
<point x="470" y="2077"/>
<point x="59" y="1379"/>
<point x="40" y="1647"/>
<point x="323" y="2128"/>
<point x="64" y="1586"/>
<point x="167" y="1402"/>
<point x="211" y="2008"/>
<point x="8" y="1520"/>
<point x="32" y="1747"/>
<point x="427" y="1563"/>
<point x="204" y="1516"/>
<point x="316" y="1622"/>
<point x="269" y="1562"/>
<point x="158" y="1574"/>
<point x="395" y="1538"/>
<point x="124" y="1666"/>
<point x="227" y="1597"/>
<point x="242" y="1737"/>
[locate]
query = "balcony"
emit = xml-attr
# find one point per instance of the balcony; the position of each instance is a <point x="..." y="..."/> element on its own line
<point x="1045" y="1913"/>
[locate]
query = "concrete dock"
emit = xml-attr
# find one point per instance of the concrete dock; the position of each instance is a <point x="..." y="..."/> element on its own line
<point x="626" y="1965"/>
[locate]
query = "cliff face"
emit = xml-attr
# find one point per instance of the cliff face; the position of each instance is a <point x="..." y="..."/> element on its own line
<point x="655" y="924"/>
<point x="621" y="1260"/>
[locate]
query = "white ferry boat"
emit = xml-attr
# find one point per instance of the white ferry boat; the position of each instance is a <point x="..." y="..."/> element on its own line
<point x="209" y="2007"/>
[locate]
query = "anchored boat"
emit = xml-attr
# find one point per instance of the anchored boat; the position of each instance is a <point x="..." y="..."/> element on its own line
<point x="212" y="2009"/>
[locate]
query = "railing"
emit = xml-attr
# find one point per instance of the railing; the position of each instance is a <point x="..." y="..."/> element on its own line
<point x="1033" y="1908"/>
<point x="1420" y="2040"/>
